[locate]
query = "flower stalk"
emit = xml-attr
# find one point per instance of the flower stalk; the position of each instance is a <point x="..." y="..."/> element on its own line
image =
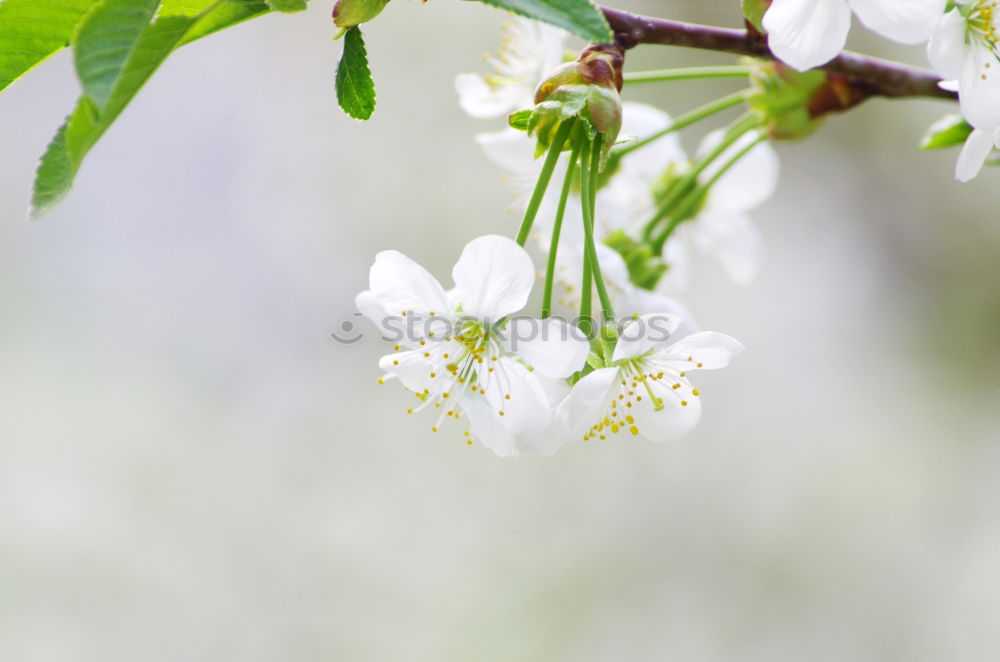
<point x="688" y="183"/>
<point x="687" y="73"/>
<point x="550" y="266"/>
<point x="543" y="180"/>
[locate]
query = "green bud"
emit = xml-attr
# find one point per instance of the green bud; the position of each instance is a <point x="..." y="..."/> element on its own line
<point x="586" y="89"/>
<point x="793" y="104"/>
<point x="781" y="97"/>
<point x="645" y="266"/>
<point x="352" y="13"/>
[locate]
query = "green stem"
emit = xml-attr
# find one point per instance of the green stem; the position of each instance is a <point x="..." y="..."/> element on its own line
<point x="550" y="267"/>
<point x="687" y="73"/>
<point x="684" y="211"/>
<point x="543" y="180"/>
<point x="687" y="119"/>
<point x="685" y="185"/>
<point x="588" y="180"/>
<point x="586" y="320"/>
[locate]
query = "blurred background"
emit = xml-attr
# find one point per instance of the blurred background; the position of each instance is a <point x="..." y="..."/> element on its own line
<point x="191" y="469"/>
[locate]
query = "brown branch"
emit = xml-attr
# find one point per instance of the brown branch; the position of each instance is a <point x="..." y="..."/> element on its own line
<point x="878" y="77"/>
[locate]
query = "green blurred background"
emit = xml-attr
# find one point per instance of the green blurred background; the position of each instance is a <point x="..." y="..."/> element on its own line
<point x="191" y="469"/>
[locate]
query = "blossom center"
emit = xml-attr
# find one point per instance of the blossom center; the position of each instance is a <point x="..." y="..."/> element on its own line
<point x="639" y="384"/>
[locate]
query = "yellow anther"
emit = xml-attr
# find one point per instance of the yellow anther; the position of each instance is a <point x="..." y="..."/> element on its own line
<point x="695" y="392"/>
<point x="634" y="430"/>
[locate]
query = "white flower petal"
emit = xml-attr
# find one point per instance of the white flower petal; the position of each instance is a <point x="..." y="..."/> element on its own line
<point x="677" y="255"/>
<point x="648" y="333"/>
<point x="905" y="21"/>
<point x="483" y="101"/>
<point x="747" y="184"/>
<point x="587" y="402"/>
<point x="648" y="163"/>
<point x="706" y="350"/>
<point x="413" y="370"/>
<point x="511" y="389"/>
<point x="974" y="154"/>
<point x="551" y="346"/>
<point x="732" y="239"/>
<point x="512" y="150"/>
<point x="807" y="33"/>
<point x="493" y="277"/>
<point x="640" y="301"/>
<point x="399" y="286"/>
<point x="487" y="427"/>
<point x="946" y="49"/>
<point x="979" y="89"/>
<point x="674" y="419"/>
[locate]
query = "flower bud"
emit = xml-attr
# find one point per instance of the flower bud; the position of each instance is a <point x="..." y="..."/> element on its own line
<point x="781" y="97"/>
<point x="352" y="13"/>
<point x="587" y="89"/>
<point x="645" y="265"/>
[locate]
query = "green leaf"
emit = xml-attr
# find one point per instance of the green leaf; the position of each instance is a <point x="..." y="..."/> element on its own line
<point x="949" y="131"/>
<point x="355" y="87"/>
<point x="224" y="16"/>
<point x="32" y="30"/>
<point x="106" y="41"/>
<point x="581" y="17"/>
<point x="287" y="5"/>
<point x="521" y="120"/>
<point x="94" y="114"/>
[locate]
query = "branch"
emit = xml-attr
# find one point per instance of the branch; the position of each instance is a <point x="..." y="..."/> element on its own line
<point x="879" y="77"/>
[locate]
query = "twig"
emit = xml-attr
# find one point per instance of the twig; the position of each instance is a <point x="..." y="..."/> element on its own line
<point x="879" y="77"/>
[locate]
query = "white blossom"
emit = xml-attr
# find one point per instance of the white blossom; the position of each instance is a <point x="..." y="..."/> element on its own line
<point x="529" y="50"/>
<point x="722" y="229"/>
<point x="977" y="149"/>
<point x="645" y="391"/>
<point x="965" y="49"/>
<point x="461" y="358"/>
<point x="809" y="33"/>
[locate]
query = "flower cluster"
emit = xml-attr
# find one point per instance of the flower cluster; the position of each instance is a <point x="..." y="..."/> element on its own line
<point x="620" y="236"/>
<point x="624" y="217"/>
<point x="471" y="363"/>
<point x="962" y="39"/>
